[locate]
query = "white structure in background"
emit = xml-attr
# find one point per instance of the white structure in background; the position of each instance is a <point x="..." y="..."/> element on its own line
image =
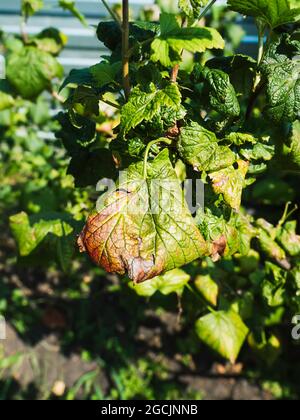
<point x="2" y="328"/>
<point x="2" y="67"/>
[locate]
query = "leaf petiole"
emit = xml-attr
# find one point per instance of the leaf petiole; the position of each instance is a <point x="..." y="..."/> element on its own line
<point x="112" y="13"/>
<point x="204" y="11"/>
<point x="148" y="148"/>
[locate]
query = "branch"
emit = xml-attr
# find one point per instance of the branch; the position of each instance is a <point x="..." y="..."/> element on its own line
<point x="125" y="48"/>
<point x="112" y="13"/>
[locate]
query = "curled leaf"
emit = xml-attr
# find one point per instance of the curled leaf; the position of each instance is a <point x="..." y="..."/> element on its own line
<point x="144" y="227"/>
<point x="230" y="182"/>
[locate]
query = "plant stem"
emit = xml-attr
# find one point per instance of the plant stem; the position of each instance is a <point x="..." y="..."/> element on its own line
<point x="148" y="148"/>
<point x="174" y="73"/>
<point x="208" y="307"/>
<point x="58" y="97"/>
<point x="125" y="48"/>
<point x="206" y="9"/>
<point x="287" y="214"/>
<point x="175" y="69"/>
<point x="110" y="103"/>
<point x="261" y="27"/>
<point x="112" y="13"/>
<point x="24" y="33"/>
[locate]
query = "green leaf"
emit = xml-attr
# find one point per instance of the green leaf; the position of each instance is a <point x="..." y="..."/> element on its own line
<point x="259" y="151"/>
<point x="230" y="182"/>
<point x="273" y="190"/>
<point x="85" y="101"/>
<point x="30" y="71"/>
<point x="267" y="349"/>
<point x="30" y="7"/>
<point x="88" y="164"/>
<point x="78" y="77"/>
<point x="208" y="288"/>
<point x="283" y="83"/>
<point x="268" y="244"/>
<point x="96" y="76"/>
<point x="105" y="73"/>
<point x="199" y="148"/>
<point x="273" y="12"/>
<point x="144" y="227"/>
<point x="241" y="70"/>
<point x="88" y="167"/>
<point x="192" y="8"/>
<point x="292" y="152"/>
<point x="71" y="7"/>
<point x="222" y="96"/>
<point x="173" y="281"/>
<point x="6" y="99"/>
<point x="76" y="135"/>
<point x="30" y="233"/>
<point x="110" y="33"/>
<point x="143" y="106"/>
<point x="239" y="139"/>
<point x="167" y="48"/>
<point x="273" y="287"/>
<point x="50" y="40"/>
<point x="224" y="332"/>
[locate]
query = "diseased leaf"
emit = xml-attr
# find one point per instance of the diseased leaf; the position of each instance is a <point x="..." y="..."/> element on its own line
<point x="230" y="182"/>
<point x="273" y="287"/>
<point x="143" y="106"/>
<point x="289" y="239"/>
<point x="199" y="147"/>
<point x="259" y="151"/>
<point x="144" y="227"/>
<point x="239" y="139"/>
<point x="173" y="39"/>
<point x="227" y="237"/>
<point x="224" y="332"/>
<point x="30" y="71"/>
<point x="273" y="12"/>
<point x="268" y="244"/>
<point x="173" y="281"/>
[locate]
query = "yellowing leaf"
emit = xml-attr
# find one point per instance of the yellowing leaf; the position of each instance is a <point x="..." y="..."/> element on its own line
<point x="171" y="282"/>
<point x="230" y="182"/>
<point x="144" y="227"/>
<point x="208" y="287"/>
<point x="224" y="332"/>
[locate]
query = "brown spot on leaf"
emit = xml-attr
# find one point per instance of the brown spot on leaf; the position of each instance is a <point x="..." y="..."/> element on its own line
<point x="218" y="248"/>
